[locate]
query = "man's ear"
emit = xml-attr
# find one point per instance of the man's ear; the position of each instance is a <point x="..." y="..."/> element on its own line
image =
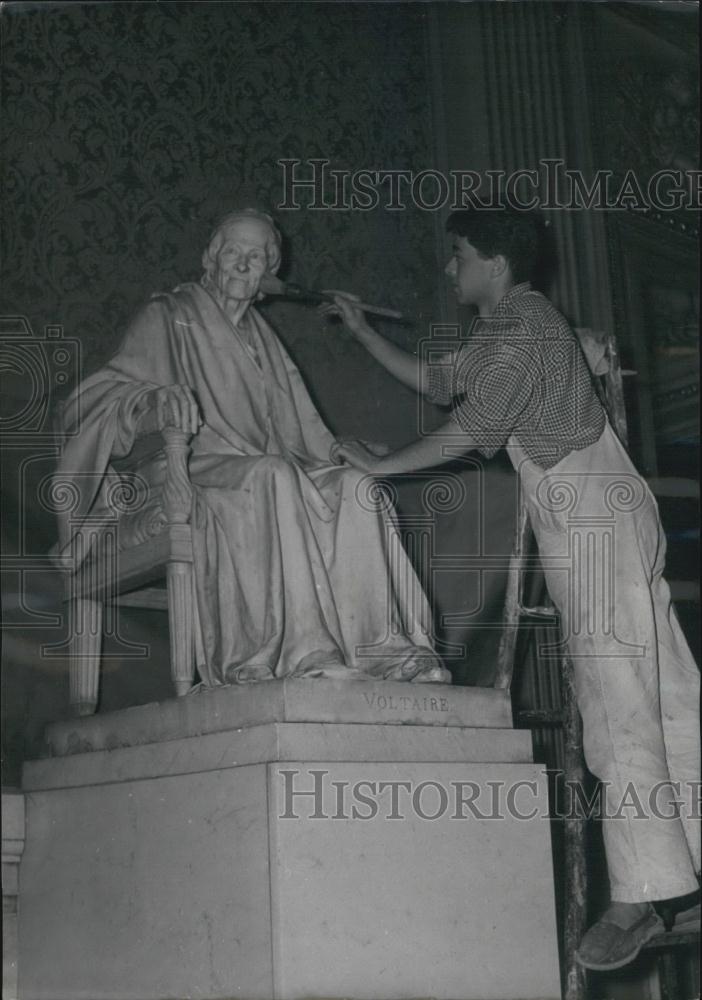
<point x="500" y="265"/>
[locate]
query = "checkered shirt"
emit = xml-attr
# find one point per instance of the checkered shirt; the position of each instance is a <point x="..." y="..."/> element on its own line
<point x="521" y="372"/>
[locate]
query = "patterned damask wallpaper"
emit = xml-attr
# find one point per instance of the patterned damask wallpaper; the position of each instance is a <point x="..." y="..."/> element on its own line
<point x="131" y="127"/>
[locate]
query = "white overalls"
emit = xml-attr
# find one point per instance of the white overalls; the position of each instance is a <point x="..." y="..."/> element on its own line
<point x="602" y="547"/>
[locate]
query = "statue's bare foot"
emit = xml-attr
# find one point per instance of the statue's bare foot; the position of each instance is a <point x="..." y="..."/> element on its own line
<point x="421" y="670"/>
<point x="249" y="674"/>
<point x="434" y="674"/>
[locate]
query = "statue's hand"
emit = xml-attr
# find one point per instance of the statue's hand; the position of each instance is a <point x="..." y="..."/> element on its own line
<point x="174" y="406"/>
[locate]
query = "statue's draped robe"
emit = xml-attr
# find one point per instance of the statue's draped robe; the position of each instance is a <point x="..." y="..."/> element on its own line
<point x="296" y="569"/>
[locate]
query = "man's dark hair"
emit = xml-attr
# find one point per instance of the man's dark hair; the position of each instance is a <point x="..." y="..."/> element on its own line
<point x="516" y="235"/>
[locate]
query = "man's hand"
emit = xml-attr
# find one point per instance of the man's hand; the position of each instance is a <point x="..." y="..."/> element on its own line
<point x="173" y="406"/>
<point x="352" y="317"/>
<point x="359" y="454"/>
<point x="376" y="447"/>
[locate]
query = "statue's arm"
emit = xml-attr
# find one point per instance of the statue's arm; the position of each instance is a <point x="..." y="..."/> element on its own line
<point x="168" y="406"/>
<point x="147" y="356"/>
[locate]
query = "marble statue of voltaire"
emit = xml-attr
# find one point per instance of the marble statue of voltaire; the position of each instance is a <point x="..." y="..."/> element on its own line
<point x="294" y="575"/>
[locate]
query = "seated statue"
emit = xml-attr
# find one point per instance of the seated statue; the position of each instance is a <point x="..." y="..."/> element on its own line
<point x="295" y="574"/>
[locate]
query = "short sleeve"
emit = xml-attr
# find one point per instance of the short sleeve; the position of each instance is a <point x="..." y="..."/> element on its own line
<point x="496" y="382"/>
<point x="439" y="381"/>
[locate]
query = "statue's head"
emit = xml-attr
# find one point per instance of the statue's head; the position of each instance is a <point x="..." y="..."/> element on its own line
<point x="245" y="245"/>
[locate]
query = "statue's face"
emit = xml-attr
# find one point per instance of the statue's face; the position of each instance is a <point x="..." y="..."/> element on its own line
<point x="242" y="259"/>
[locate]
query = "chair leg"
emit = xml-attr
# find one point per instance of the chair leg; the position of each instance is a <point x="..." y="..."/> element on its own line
<point x="84" y="654"/>
<point x="180" y="623"/>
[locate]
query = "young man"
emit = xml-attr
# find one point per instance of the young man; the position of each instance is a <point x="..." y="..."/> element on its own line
<point x="521" y="381"/>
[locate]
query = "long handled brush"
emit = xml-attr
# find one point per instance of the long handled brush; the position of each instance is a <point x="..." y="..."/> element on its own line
<point x="271" y="285"/>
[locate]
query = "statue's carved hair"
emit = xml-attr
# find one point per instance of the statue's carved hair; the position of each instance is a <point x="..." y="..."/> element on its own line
<point x="273" y="245"/>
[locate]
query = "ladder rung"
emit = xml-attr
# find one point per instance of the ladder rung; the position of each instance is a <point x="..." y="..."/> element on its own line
<point x="673" y="939"/>
<point x="542" y="716"/>
<point x="540" y="611"/>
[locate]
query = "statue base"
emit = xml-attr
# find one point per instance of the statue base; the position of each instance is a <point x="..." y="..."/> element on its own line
<point x="261" y="856"/>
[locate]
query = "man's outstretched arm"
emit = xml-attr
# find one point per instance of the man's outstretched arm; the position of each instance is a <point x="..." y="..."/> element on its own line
<point x="404" y="366"/>
<point x="436" y="448"/>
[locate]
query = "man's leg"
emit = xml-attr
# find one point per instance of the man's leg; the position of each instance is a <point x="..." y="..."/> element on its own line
<point x="679" y="692"/>
<point x="626" y="734"/>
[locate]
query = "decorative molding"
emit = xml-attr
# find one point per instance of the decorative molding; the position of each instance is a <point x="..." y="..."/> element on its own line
<point x="677" y="23"/>
<point x="526" y="86"/>
<point x="681" y="223"/>
<point x="146" y="523"/>
<point x="656" y="341"/>
<point x="654" y="120"/>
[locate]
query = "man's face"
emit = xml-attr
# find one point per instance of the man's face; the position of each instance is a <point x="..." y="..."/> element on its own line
<point x="470" y="274"/>
<point x="242" y="259"/>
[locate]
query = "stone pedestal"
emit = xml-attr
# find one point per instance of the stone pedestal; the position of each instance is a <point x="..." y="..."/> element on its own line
<point x="290" y="840"/>
<point x="12" y="847"/>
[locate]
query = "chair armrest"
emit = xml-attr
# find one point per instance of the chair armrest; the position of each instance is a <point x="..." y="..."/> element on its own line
<point x="177" y="489"/>
<point x="150" y="449"/>
<point x="147" y="449"/>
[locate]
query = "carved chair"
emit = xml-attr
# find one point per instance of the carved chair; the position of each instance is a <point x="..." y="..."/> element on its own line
<point x="150" y="541"/>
